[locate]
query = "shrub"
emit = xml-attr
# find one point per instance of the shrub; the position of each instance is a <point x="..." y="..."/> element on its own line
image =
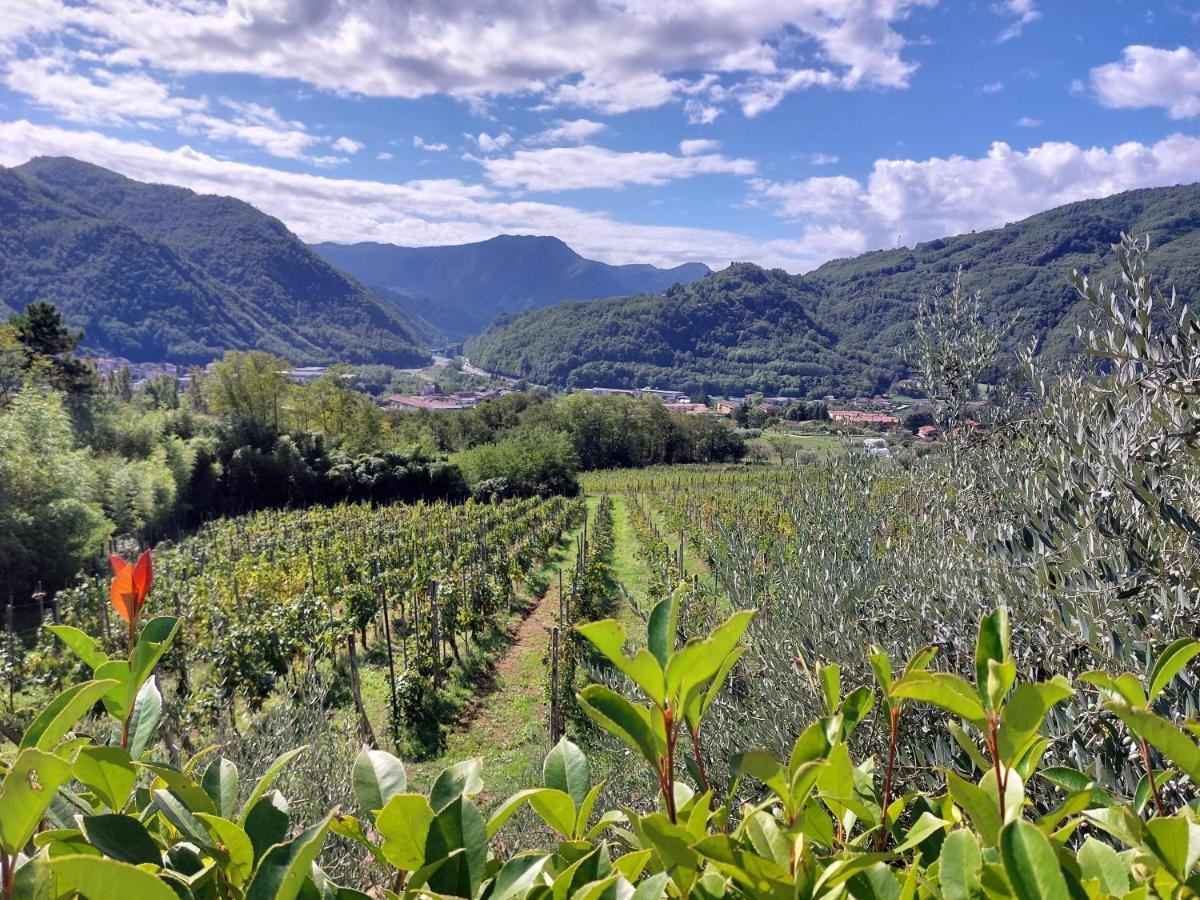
<point x="814" y="824"/>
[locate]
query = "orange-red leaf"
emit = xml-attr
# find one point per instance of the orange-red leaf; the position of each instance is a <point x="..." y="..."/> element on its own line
<point x="121" y="593"/>
<point x="143" y="576"/>
<point x="131" y="585"/>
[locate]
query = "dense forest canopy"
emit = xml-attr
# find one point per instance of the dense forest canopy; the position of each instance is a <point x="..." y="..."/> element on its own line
<point x="152" y="272"/>
<point x="85" y="459"/>
<point x="460" y="289"/>
<point x="839" y="328"/>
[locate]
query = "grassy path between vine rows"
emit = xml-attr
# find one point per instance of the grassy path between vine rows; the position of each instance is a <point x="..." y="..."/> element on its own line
<point x="693" y="562"/>
<point x="507" y="725"/>
<point x="507" y="722"/>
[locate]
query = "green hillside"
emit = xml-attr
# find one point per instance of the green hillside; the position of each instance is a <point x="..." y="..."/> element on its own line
<point x="157" y="272"/>
<point x="460" y="289"/>
<point x="839" y="328"/>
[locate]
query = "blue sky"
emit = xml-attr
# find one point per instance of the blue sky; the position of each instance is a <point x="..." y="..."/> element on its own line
<point x="782" y="131"/>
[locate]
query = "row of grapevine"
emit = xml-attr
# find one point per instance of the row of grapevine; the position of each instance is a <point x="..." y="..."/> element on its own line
<point x="587" y="596"/>
<point x="417" y="584"/>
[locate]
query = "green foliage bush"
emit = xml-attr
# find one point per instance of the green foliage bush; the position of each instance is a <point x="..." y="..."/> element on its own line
<point x="86" y="809"/>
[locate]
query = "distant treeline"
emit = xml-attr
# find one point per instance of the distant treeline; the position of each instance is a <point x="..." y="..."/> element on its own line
<point x="85" y="458"/>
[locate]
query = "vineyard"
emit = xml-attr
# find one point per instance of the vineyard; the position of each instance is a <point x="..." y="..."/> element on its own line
<point x="415" y="587"/>
<point x="848" y="678"/>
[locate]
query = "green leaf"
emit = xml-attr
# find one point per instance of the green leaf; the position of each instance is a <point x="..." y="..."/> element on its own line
<point x="459" y="826"/>
<point x="991" y="646"/>
<point x="177" y="813"/>
<point x="959" y="865"/>
<point x="566" y="769"/>
<point x="978" y="805"/>
<point x="1142" y="795"/>
<point x="585" y="809"/>
<point x="268" y="778"/>
<point x="89" y="649"/>
<point x="63" y="712"/>
<point x="944" y="690"/>
<point x="623" y="720"/>
<point x="459" y="780"/>
<point x="660" y="629"/>
<point x="404" y="823"/>
<point x="881" y="668"/>
<point x="831" y="686"/>
<point x="153" y="642"/>
<point x="191" y="794"/>
<point x="1169" y="662"/>
<point x="920" y="660"/>
<point x="30" y="784"/>
<point x="651" y="888"/>
<point x="517" y="875"/>
<point x="236" y="844"/>
<point x="856" y="707"/>
<point x="116" y="699"/>
<point x="1072" y="781"/>
<point x="672" y="843"/>
<point x="220" y="782"/>
<point x="1001" y="676"/>
<point x="378" y="776"/>
<point x="1031" y="863"/>
<point x="608" y="636"/>
<point x="1176" y="842"/>
<point x="1124" y="687"/>
<point x="107" y="771"/>
<point x="698" y="702"/>
<point x="268" y="822"/>
<point x="98" y="878"/>
<point x="766" y="837"/>
<point x="874" y="883"/>
<point x="1099" y="861"/>
<point x="1170" y="740"/>
<point x="122" y="838"/>
<point x="928" y="824"/>
<point x="285" y="867"/>
<point x="351" y="828"/>
<point x="1024" y="712"/>
<point x="147" y="713"/>
<point x="632" y="864"/>
<point x="554" y="807"/>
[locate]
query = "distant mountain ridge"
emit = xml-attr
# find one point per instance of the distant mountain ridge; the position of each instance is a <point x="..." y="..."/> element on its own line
<point x="839" y="328"/>
<point x="460" y="289"/>
<point x="156" y="272"/>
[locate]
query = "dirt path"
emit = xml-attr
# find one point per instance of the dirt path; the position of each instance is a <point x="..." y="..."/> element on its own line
<point x="507" y="721"/>
<point x="516" y="679"/>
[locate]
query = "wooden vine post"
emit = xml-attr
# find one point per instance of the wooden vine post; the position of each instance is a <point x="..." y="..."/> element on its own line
<point x="387" y="636"/>
<point x="555" y="711"/>
<point x="364" y="724"/>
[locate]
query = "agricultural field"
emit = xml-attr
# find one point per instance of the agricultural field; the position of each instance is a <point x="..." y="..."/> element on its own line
<point x="971" y="674"/>
<point x="419" y="594"/>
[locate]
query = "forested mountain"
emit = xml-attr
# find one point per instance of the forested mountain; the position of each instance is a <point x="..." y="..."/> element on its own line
<point x="156" y="272"/>
<point x="461" y="289"/>
<point x="839" y="328"/>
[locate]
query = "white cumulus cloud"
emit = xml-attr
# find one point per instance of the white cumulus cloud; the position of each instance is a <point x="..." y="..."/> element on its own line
<point x="588" y="166"/>
<point x="347" y="145"/>
<point x="609" y="55"/>
<point x="1024" y="11"/>
<point x="422" y="144"/>
<point x="1151" y="77"/>
<point x="695" y="146"/>
<point x="921" y="200"/>
<point x="575" y="131"/>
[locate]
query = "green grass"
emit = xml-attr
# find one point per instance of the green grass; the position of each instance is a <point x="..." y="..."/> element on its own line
<point x="821" y="444"/>
<point x="508" y="729"/>
<point x="629" y="571"/>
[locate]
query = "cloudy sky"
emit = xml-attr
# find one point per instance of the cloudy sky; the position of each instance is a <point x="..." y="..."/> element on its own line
<point x="781" y="131"/>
